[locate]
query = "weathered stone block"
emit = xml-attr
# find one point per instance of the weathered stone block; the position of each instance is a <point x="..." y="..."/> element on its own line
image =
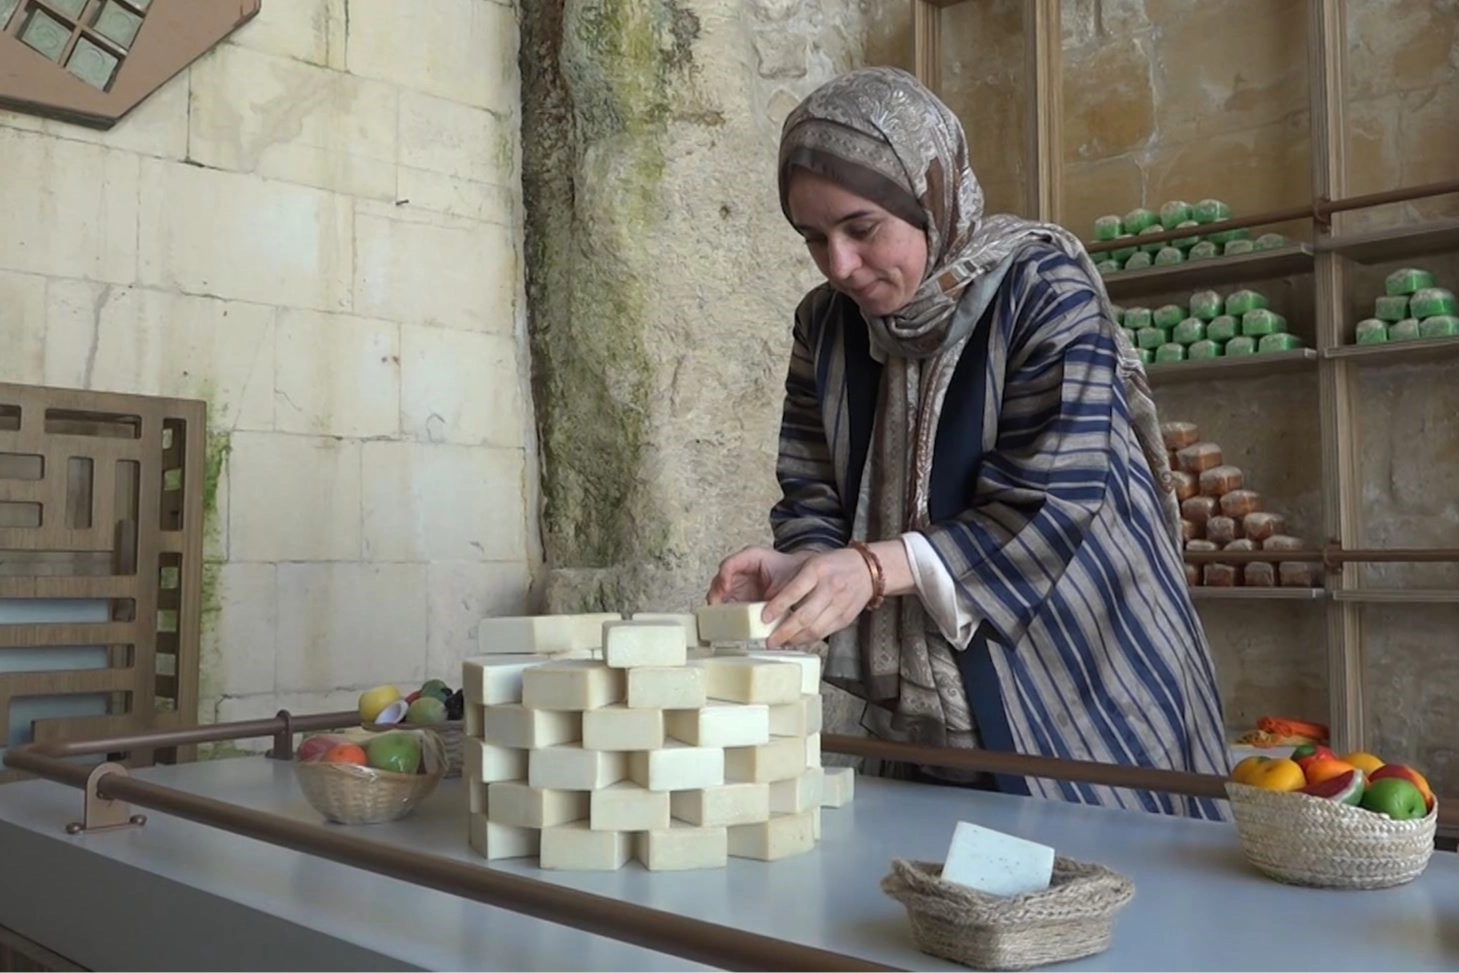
<point x="439" y="135"/>
<point x="464" y="50"/>
<point x="1411" y="707"/>
<point x="781" y="52"/>
<point x="22" y="327"/>
<point x="459" y="595"/>
<point x="461" y="387"/>
<point x="338" y="375"/>
<point x="306" y="30"/>
<point x="293" y="498"/>
<point x="1400" y="45"/>
<point x="455" y="196"/>
<point x="1257" y="169"/>
<point x="1120" y="17"/>
<point x="239" y="630"/>
<point x="1109" y="101"/>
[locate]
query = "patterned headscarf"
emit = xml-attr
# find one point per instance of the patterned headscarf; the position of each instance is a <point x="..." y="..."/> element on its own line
<point x="881" y="134"/>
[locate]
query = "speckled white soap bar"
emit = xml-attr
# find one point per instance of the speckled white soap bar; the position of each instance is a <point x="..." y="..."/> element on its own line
<point x="997" y="863"/>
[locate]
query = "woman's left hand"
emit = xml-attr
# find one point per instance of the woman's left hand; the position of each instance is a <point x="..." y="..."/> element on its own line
<point x="823" y="597"/>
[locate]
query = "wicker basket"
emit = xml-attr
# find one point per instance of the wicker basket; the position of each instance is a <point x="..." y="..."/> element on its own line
<point x="351" y="794"/>
<point x="1304" y="840"/>
<point x="1073" y="918"/>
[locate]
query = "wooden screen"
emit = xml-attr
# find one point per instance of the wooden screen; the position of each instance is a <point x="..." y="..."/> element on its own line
<point x="101" y="536"/>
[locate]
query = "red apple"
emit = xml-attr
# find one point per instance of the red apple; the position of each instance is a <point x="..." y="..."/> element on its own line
<point x="317" y="746"/>
<point x="1402" y="772"/>
<point x="1311" y="752"/>
<point x="412" y="697"/>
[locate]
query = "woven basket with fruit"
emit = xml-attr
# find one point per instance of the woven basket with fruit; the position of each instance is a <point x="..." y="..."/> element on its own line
<point x="1317" y="819"/>
<point x="364" y="777"/>
<point x="433" y="705"/>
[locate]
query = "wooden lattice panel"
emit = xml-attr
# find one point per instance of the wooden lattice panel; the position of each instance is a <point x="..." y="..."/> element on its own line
<point x="101" y="504"/>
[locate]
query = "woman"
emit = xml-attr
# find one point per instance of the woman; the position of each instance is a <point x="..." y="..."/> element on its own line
<point x="976" y="512"/>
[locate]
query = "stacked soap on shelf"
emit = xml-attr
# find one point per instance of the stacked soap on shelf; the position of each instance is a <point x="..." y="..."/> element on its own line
<point x="593" y="740"/>
<point x="1220" y="512"/>
<point x="1210" y="326"/>
<point x="1412" y="306"/>
<point x="1205" y="239"/>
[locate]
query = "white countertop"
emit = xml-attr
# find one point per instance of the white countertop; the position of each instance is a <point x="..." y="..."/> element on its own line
<point x="175" y="895"/>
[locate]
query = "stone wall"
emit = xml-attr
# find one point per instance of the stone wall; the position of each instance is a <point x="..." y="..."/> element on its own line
<point x="315" y="229"/>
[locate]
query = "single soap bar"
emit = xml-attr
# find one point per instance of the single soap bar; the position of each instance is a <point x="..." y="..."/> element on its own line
<point x="1220" y="576"/>
<point x="495" y="841"/>
<point x="1188" y="530"/>
<point x="1108" y="228"/>
<point x="1260" y="322"/>
<point x="1151" y="338"/>
<point x="809" y="662"/>
<point x="688" y="620"/>
<point x="1199" y="457"/>
<point x="1206" y="305"/>
<point x="1407" y="280"/>
<point x="1234" y="247"/>
<point x="1186" y="242"/>
<point x="1282" y="542"/>
<point x="1206" y="349"/>
<point x="1202" y="545"/>
<point x="1406" y="330"/>
<point x="1391" y="307"/>
<point x="627" y="645"/>
<point x="779" y="759"/>
<point x="1222" y="237"/>
<point x="666" y="687"/>
<point x="1261" y="525"/>
<point x="677" y="767"/>
<point x="1107" y="267"/>
<point x="587" y="629"/>
<point x="1439" y="326"/>
<point x="1186" y="484"/>
<point x="1178" y="435"/>
<point x="799" y="793"/>
<point x="797" y="719"/>
<point x="572" y="684"/>
<point x="1168" y="256"/>
<point x="1146" y="355"/>
<point x="1372" y="331"/>
<point x="514" y="725"/>
<point x="1151" y="249"/>
<point x="1259" y="574"/>
<point x="525" y="635"/>
<point x="578" y="848"/>
<point x="1139" y="261"/>
<point x="1118" y="313"/>
<point x="1189" y="331"/>
<point x="1240" y="503"/>
<point x="1137" y="318"/>
<point x="1204" y="250"/>
<point x="1222" y="328"/>
<point x="488" y="680"/>
<point x="1167" y="316"/>
<point x="742" y="679"/>
<point x="1175" y="213"/>
<point x="620" y="727"/>
<point x="1198" y="510"/>
<point x="1241" y="345"/>
<point x="1221" y="530"/>
<point x="1239" y="302"/>
<point x="782" y="836"/>
<point x="679" y="847"/>
<point x="1120" y="254"/>
<point x="570" y="767"/>
<point x="1170" y="352"/>
<point x="1138" y="219"/>
<point x="517" y="803"/>
<point x="1193" y="575"/>
<point x="734" y="622"/>
<point x="1240" y="544"/>
<point x="490" y="763"/>
<point x="1295" y="574"/>
<point x="1278" y="341"/>
<point x="997" y="863"/>
<point x="1270" y="241"/>
<point x="813" y="750"/>
<point x="1210" y="211"/>
<point x="720" y="724"/>
<point x="726" y="804"/>
<point x="838" y="786"/>
<point x="626" y="806"/>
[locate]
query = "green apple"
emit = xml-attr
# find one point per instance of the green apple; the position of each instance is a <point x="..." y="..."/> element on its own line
<point x="436" y="688"/>
<point x="1395" y="797"/>
<point x="400" y="753"/>
<point x="426" y="710"/>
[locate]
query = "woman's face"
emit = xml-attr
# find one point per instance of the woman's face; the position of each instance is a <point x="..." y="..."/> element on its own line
<point x="867" y="253"/>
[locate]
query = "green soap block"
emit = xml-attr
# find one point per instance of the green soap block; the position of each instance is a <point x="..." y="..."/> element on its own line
<point x="1170" y="352"/>
<point x="1238" y="246"/>
<point x="1439" y="326"/>
<point x="1279" y="342"/>
<point x="1270" y="241"/>
<point x="1206" y="305"/>
<point x="1152" y="248"/>
<point x="1189" y="331"/>
<point x="1371" y="331"/>
<point x="1407" y="280"/>
<point x="1223" y="328"/>
<point x="1123" y="253"/>
<point x="1146" y="355"/>
<point x="1405" y="330"/>
<point x="1139" y="261"/>
<point x="1223" y="237"/>
<point x="1137" y="318"/>
<point x="1210" y="211"/>
<point x="1245" y="300"/>
<point x="1431" y="302"/>
<point x="1206" y="349"/>
<point x="1109" y="228"/>
<point x="1241" y="345"/>
<point x="1205" y="250"/>
<point x="1107" y="267"/>
<point x="1169" y="315"/>
<point x="1174" y="213"/>
<point x="1118" y="312"/>
<point x="1152" y="338"/>
<point x="1391" y="307"/>
<point x="1186" y="242"/>
<point x="1260" y="322"/>
<point x="1168" y="256"/>
<point x="1138" y="218"/>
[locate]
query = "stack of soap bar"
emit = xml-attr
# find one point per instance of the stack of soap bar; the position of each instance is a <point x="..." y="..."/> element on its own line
<point x="997" y="863"/>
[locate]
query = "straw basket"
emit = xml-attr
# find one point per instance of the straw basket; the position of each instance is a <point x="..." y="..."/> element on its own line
<point x="1073" y="918"/>
<point x="351" y="794"/>
<point x="1304" y="840"/>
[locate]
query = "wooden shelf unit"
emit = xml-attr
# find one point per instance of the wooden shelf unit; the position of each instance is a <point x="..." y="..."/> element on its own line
<point x="1323" y="264"/>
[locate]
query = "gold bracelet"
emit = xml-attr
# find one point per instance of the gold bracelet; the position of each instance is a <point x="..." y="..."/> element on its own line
<point x="878" y="578"/>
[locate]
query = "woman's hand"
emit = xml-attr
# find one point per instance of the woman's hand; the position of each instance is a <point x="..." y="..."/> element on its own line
<point x="753" y="574"/>
<point x="823" y="597"/>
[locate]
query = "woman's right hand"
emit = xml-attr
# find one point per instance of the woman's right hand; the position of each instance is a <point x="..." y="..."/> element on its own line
<point x="754" y="574"/>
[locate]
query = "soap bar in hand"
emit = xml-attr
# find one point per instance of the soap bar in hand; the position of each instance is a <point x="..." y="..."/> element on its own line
<point x="997" y="863"/>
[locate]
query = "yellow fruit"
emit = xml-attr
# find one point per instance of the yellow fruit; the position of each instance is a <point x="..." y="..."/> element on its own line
<point x="1365" y="762"/>
<point x="1278" y="775"/>
<point x="1241" y="773"/>
<point x="372" y="701"/>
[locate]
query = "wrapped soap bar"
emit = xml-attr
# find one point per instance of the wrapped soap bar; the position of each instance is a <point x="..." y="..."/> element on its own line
<point x="1139" y="261"/>
<point x="1198" y="510"/>
<point x="1221" y="530"/>
<point x="1406" y="330"/>
<point x="1262" y="525"/>
<point x="1202" y="545"/>
<point x="1107" y="267"/>
<point x="1391" y="307"/>
<point x="1223" y="328"/>
<point x="1151" y="338"/>
<point x="1179" y="435"/>
<point x="1260" y="322"/>
<point x="1204" y="250"/>
<point x="1270" y="241"/>
<point x="1240" y="345"/>
<point x="1205" y="349"/>
<point x="1220" y="480"/>
<point x="1234" y="247"/>
<point x="1168" y="256"/>
<point x="1223" y="237"/>
<point x="1220" y="575"/>
<point x="1238" y="303"/>
<point x="1210" y="211"/>
<point x="1193" y="574"/>
<point x="1108" y="228"/>
<point x="1259" y="574"/>
<point x="1199" y="457"/>
<point x="1189" y="331"/>
<point x="1170" y="352"/>
<point x="1431" y="302"/>
<point x="1240" y="503"/>
<point x="1278" y="342"/>
<point x="1295" y="574"/>
<point x="1282" y="542"/>
<point x="1407" y="280"/>
<point x="1146" y="355"/>
<point x="1240" y="544"/>
<point x="1186" y="242"/>
<point x="1152" y="248"/>
<point x="1169" y="315"/>
<point x="1206" y="305"/>
<point x="1174" y="213"/>
<point x="1137" y="219"/>
<point x="1137" y="318"/>
<point x="1439" y="326"/>
<point x="1371" y="331"/>
<point x="1118" y="313"/>
<point x="1188" y="530"/>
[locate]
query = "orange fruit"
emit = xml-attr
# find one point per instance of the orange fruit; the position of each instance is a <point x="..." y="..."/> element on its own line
<point x="1365" y="762"/>
<point x="346" y="753"/>
<point x="1277" y="775"/>
<point x="1321" y="770"/>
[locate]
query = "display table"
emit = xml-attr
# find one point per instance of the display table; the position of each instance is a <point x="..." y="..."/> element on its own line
<point x="178" y="895"/>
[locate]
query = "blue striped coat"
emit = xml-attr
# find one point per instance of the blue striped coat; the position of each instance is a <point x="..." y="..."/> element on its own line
<point x="1045" y="512"/>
